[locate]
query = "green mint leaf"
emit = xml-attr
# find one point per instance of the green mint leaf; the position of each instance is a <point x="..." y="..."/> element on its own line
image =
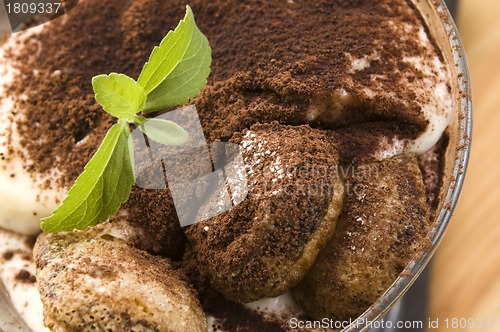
<point x="176" y="71"/>
<point x="119" y="95"/>
<point x="102" y="187"/>
<point x="178" y="68"/>
<point x="164" y="132"/>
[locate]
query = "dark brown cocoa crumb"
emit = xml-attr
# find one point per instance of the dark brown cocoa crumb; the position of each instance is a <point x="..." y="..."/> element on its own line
<point x="8" y="255"/>
<point x="25" y="277"/>
<point x="155" y="210"/>
<point x="23" y="254"/>
<point x="432" y="167"/>
<point x="30" y="241"/>
<point x="264" y="54"/>
<point x="257" y="248"/>
<point x="359" y="142"/>
<point x="383" y="227"/>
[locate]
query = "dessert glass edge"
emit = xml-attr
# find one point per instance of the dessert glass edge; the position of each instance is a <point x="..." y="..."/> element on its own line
<point x="445" y="33"/>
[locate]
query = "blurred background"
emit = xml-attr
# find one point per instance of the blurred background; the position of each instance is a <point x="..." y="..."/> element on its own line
<point x="465" y="272"/>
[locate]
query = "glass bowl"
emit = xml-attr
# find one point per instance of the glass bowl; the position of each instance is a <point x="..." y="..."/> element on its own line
<point x="445" y="34"/>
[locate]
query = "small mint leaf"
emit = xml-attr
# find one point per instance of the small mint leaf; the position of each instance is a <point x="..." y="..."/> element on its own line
<point x="164" y="132"/>
<point x="102" y="187"/>
<point x="178" y="68"/>
<point x="119" y="95"/>
<point x="176" y="71"/>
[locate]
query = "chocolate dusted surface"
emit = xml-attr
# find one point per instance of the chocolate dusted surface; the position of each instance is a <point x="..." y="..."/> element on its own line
<point x="432" y="166"/>
<point x="383" y="226"/>
<point x="359" y="142"/>
<point x="155" y="211"/>
<point x="263" y="246"/>
<point x="56" y="68"/>
<point x="267" y="66"/>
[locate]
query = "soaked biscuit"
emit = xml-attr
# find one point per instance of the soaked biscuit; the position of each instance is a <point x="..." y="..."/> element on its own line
<point x="264" y="246"/>
<point x="383" y="225"/>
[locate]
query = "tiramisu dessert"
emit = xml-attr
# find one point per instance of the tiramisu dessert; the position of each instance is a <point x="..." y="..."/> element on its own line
<point x="339" y="109"/>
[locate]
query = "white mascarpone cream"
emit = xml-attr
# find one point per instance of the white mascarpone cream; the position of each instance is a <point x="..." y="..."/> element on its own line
<point x="24" y="197"/>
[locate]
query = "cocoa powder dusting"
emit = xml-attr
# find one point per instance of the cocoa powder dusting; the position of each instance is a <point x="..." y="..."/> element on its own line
<point x="272" y="63"/>
<point x="25" y="277"/>
<point x="256" y="249"/>
<point x="432" y="167"/>
<point x="8" y="255"/>
<point x="266" y="66"/>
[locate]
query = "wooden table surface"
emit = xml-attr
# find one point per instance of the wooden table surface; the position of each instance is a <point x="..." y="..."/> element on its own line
<point x="465" y="280"/>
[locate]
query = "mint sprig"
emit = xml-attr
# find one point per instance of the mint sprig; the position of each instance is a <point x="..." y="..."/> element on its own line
<point x="102" y="187"/>
<point x="176" y="71"/>
<point x="180" y="65"/>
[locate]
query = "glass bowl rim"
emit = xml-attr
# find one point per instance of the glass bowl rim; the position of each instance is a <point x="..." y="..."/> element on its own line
<point x="405" y="280"/>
